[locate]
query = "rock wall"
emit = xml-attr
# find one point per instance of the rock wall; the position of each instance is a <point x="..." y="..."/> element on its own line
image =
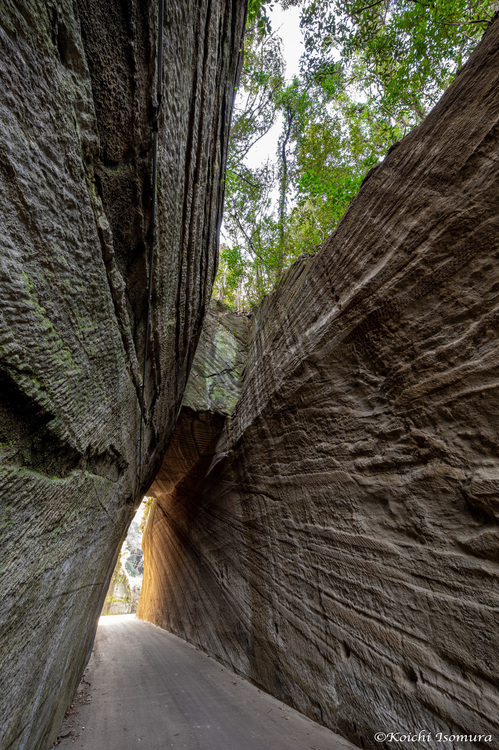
<point x="77" y="81"/>
<point x="338" y="543"/>
<point x="212" y="392"/>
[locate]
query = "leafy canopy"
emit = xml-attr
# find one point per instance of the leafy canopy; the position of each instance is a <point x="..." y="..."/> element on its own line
<point x="370" y="72"/>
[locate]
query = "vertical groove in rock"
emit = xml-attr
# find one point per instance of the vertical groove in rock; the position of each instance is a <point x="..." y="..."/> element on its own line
<point x="77" y="81"/>
<point x="338" y="543"/>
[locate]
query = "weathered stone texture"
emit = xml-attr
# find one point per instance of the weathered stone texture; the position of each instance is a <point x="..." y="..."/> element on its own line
<point x="215" y="380"/>
<point x="77" y="82"/>
<point x="212" y="391"/>
<point x="341" y="546"/>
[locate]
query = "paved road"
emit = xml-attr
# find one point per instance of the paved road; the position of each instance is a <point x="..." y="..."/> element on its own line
<point x="145" y="689"/>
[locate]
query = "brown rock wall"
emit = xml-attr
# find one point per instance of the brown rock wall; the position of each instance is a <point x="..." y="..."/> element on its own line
<point x="341" y="547"/>
<point x="77" y="81"/>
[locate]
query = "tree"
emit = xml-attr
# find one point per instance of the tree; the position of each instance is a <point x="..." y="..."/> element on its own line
<point x="400" y="54"/>
<point x="246" y="269"/>
<point x="371" y="71"/>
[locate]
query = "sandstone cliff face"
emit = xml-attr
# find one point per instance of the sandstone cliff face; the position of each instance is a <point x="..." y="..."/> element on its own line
<point x="77" y="80"/>
<point x="210" y="396"/>
<point x="340" y="546"/>
<point x="215" y="380"/>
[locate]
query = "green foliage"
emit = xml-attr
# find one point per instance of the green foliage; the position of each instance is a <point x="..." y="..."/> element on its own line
<point x="257" y="16"/>
<point x="147" y="504"/>
<point x="370" y="72"/>
<point x="246" y="264"/>
<point x="401" y="54"/>
<point x="119" y="579"/>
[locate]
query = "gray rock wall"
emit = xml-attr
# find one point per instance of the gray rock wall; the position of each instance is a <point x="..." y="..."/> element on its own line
<point x="339" y="543"/>
<point x="77" y="80"/>
<point x="215" y="380"/>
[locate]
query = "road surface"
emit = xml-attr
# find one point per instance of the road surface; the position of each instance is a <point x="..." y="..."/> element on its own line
<point x="145" y="689"/>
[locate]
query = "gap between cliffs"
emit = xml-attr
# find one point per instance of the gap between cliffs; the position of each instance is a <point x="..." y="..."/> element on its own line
<point x="326" y="518"/>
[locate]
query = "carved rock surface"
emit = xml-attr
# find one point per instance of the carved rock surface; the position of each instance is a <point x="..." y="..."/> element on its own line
<point x="214" y="383"/>
<point x="212" y="391"/>
<point x="340" y="548"/>
<point x="77" y="82"/>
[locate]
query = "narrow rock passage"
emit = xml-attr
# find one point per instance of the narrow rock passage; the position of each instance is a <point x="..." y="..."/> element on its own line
<point x="145" y="688"/>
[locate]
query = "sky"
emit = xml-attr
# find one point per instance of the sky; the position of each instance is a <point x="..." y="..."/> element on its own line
<point x="287" y="25"/>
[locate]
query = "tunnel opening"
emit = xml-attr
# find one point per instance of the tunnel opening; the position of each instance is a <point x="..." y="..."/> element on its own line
<point x="124" y="589"/>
